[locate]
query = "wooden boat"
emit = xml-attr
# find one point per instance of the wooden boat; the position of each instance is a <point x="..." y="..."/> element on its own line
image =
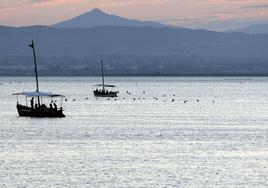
<point x="104" y="90"/>
<point x="37" y="108"/>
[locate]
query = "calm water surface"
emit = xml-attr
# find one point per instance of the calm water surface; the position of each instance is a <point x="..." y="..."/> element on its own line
<point x="213" y="134"/>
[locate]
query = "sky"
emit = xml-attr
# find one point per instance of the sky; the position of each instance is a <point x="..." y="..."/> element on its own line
<point x="216" y="15"/>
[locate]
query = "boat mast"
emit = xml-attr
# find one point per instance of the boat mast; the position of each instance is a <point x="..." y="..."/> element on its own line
<point x="102" y="74"/>
<point x="35" y="70"/>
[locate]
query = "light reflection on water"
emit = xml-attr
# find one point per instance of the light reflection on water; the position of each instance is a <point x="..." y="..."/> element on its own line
<point x="214" y="134"/>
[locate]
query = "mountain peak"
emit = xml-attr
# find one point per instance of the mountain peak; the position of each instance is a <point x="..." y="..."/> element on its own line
<point x="97" y="17"/>
<point x="96" y="11"/>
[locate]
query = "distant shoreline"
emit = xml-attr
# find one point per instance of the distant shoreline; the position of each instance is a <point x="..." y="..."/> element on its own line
<point x="203" y="75"/>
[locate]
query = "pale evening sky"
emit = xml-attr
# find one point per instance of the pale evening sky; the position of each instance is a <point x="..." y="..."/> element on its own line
<point x="210" y="14"/>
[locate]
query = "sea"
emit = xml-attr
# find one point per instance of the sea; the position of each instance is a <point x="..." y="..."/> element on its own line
<point x="160" y="132"/>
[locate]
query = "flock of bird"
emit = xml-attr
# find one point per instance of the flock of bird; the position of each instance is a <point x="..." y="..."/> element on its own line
<point x="140" y="98"/>
<point x="135" y="98"/>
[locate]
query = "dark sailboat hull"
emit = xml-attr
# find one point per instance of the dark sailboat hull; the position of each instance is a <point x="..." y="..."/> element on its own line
<point x="25" y="111"/>
<point x="101" y="94"/>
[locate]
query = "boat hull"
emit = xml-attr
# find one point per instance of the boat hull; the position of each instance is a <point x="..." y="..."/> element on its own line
<point x="103" y="94"/>
<point x="25" y="111"/>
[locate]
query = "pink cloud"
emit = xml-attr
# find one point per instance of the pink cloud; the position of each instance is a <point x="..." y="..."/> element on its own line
<point x="132" y="2"/>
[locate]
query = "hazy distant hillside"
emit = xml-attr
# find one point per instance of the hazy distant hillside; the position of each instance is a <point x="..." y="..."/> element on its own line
<point x="133" y="51"/>
<point x="132" y="40"/>
<point x="253" y="29"/>
<point x="97" y="17"/>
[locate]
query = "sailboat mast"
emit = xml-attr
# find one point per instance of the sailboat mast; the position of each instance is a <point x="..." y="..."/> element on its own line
<point x="102" y="74"/>
<point x="35" y="70"/>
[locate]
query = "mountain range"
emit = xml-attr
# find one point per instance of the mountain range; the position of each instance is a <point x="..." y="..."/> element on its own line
<point x="97" y="17"/>
<point x="130" y="50"/>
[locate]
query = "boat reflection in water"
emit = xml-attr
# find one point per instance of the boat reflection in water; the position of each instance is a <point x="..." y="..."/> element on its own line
<point x="37" y="108"/>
